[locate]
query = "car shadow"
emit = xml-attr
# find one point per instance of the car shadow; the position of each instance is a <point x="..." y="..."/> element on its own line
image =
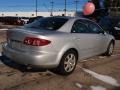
<point x="117" y="38"/>
<point x="23" y="68"/>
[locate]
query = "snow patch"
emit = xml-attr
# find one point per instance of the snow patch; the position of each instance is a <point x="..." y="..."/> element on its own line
<point x="116" y="55"/>
<point x="87" y="60"/>
<point x="104" y="78"/>
<point x="78" y="85"/>
<point x="1" y="63"/>
<point x="4" y="29"/>
<point x="0" y="54"/>
<point x="102" y="57"/>
<point x="98" y="88"/>
<point x="0" y="60"/>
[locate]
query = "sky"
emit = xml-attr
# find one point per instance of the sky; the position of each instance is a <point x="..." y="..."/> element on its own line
<point x="43" y="5"/>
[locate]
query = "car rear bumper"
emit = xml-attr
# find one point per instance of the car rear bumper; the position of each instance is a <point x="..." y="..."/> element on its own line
<point x="41" y="59"/>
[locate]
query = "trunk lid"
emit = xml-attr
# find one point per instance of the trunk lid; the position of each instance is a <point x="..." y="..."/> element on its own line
<point x="16" y="37"/>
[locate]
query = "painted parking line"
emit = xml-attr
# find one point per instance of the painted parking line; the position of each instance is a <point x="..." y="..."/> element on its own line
<point x="104" y="78"/>
<point x="98" y="88"/>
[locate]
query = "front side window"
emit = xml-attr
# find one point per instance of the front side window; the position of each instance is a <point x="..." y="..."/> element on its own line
<point x="95" y="28"/>
<point x="92" y="26"/>
<point x="50" y="23"/>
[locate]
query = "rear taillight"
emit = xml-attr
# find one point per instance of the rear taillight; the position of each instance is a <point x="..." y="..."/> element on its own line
<point x="36" y="41"/>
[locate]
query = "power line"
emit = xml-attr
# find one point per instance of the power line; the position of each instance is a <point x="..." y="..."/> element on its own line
<point x="46" y="7"/>
<point x="36" y="6"/>
<point x="65" y="8"/>
<point x="76" y="5"/>
<point x="51" y="8"/>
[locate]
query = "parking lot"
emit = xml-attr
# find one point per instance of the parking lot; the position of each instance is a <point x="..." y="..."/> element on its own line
<point x="96" y="73"/>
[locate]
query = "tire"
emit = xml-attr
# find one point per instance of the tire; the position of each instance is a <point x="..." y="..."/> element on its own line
<point x="110" y="49"/>
<point x="67" y="63"/>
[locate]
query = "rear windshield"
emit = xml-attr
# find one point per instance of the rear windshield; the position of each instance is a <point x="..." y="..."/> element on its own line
<point x="50" y="23"/>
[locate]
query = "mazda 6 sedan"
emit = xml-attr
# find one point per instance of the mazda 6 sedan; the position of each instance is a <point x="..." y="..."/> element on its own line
<point x="57" y="43"/>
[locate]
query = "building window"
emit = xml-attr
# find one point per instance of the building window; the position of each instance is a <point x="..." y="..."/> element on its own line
<point x="2" y="14"/>
<point x="16" y="14"/>
<point x="32" y="14"/>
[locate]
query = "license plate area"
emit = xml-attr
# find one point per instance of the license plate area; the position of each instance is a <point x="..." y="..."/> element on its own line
<point x="15" y="44"/>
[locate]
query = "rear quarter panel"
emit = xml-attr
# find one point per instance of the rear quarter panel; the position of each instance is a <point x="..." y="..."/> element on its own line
<point x="61" y="43"/>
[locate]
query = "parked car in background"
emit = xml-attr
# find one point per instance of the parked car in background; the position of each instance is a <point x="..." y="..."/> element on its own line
<point x="110" y="24"/>
<point x="117" y="30"/>
<point x="12" y="20"/>
<point x="57" y="42"/>
<point x="25" y="19"/>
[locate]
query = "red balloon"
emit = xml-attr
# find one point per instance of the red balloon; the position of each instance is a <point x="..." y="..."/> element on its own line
<point x="89" y="8"/>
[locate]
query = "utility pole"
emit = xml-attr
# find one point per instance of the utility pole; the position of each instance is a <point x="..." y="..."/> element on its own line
<point x="36" y="6"/>
<point x="51" y="8"/>
<point x="65" y="8"/>
<point x="76" y="5"/>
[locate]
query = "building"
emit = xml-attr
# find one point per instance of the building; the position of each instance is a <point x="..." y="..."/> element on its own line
<point x="33" y="14"/>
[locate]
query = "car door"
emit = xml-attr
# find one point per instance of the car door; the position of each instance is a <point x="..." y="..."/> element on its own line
<point x="86" y="39"/>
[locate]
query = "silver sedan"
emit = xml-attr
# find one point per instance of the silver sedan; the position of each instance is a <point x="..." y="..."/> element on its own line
<point x="57" y="42"/>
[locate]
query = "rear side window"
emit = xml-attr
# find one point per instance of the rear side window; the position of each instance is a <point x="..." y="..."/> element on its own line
<point x="51" y="23"/>
<point x="79" y="27"/>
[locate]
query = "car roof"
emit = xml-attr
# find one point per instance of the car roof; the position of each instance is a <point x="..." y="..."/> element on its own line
<point x="65" y="17"/>
<point x="69" y="17"/>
